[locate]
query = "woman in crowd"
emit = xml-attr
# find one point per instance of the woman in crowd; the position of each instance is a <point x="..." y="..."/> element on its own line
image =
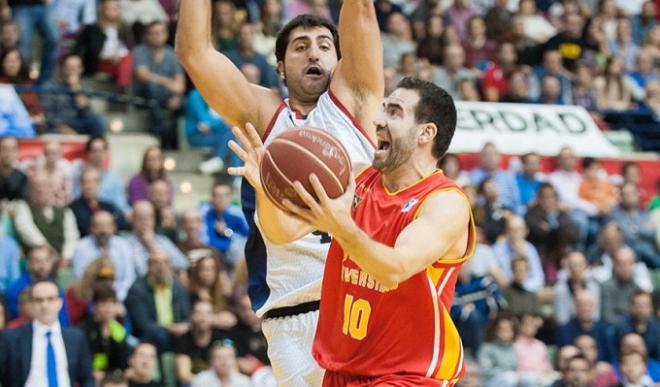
<point x="479" y="50"/>
<point x="613" y="92"/>
<point x="210" y="282"/>
<point x="14" y="70"/>
<point x="432" y="46"/>
<point x="497" y="358"/>
<point x="153" y="169"/>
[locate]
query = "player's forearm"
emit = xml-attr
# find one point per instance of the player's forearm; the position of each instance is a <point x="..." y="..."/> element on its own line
<point x="381" y="261"/>
<point x="276" y="225"/>
<point x="193" y="33"/>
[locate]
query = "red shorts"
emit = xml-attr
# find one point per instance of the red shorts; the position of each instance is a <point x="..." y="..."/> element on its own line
<point x="335" y="379"/>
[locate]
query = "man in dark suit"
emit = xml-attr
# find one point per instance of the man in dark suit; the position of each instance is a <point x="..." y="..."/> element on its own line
<point x="158" y="304"/>
<point x="43" y="353"/>
<point x="88" y="203"/>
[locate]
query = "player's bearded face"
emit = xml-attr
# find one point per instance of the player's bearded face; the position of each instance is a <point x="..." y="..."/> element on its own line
<point x="393" y="149"/>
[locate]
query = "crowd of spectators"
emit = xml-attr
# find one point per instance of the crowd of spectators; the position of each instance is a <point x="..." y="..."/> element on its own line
<point x="563" y="286"/>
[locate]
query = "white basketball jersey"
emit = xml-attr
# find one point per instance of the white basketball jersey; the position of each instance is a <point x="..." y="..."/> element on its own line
<point x="294" y="271"/>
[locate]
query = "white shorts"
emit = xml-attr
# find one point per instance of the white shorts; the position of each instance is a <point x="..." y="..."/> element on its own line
<point x="290" y="342"/>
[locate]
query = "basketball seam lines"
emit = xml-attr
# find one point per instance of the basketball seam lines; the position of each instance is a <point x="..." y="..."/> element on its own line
<point x="316" y="160"/>
<point x="338" y="144"/>
<point x="274" y="164"/>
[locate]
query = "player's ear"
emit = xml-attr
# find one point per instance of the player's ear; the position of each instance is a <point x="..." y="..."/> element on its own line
<point x="427" y="133"/>
<point x="280" y="71"/>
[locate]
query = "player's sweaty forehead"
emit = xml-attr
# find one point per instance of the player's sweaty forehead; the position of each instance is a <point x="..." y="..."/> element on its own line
<point x="401" y="99"/>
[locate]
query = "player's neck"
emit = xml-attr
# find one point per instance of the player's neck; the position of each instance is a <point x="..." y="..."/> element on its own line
<point x="409" y="173"/>
<point x="304" y="107"/>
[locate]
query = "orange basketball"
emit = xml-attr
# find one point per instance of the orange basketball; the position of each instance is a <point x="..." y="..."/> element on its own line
<point x="295" y="155"/>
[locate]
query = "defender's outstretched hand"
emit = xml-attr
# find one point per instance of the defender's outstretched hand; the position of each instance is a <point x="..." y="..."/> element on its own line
<point x="251" y="151"/>
<point x="325" y="214"/>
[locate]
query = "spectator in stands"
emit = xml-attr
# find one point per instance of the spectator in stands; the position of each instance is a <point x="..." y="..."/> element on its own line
<point x="143" y="239"/>
<point x="29" y="16"/>
<point x="10" y="35"/>
<point x="453" y="70"/>
<point x="637" y="228"/>
<point x="40" y="267"/>
<point x="246" y="53"/>
<point x="252" y="343"/>
<point x="158" y="305"/>
<point x="552" y="66"/>
<point x="66" y="103"/>
<point x="106" y="336"/>
<point x="567" y="181"/>
<point x="527" y="180"/>
<point x="569" y="42"/>
<point x="550" y="91"/>
<point x="533" y="363"/>
<point x="495" y="81"/>
<point x="40" y="223"/>
<point x="632" y="342"/>
<point x="4" y="317"/>
<point x="193" y="348"/>
<point x="634" y="371"/>
<point x="479" y="50"/>
<point x="142" y="366"/>
<point x="520" y="300"/>
<point x="536" y="26"/>
<point x="602" y="373"/>
<point x="209" y="282"/>
<point x="112" y="188"/>
<point x="9" y="263"/>
<point x="102" y="242"/>
<point x="613" y="90"/>
<point x="222" y="370"/>
<point x="489" y="213"/>
<point x="115" y="379"/>
<point x="105" y="45"/>
<point x="225" y="23"/>
<point x="89" y="203"/>
<point x="159" y="194"/>
<point x="597" y="191"/>
<point x="514" y="244"/>
<point x="467" y="89"/>
<point x="573" y="278"/>
<point x="431" y="47"/>
<point x="205" y="128"/>
<point x="98" y="274"/>
<point x="616" y="292"/>
<point x="585" y="322"/>
<point x="193" y="238"/>
<point x="517" y="88"/>
<point x="584" y="93"/>
<point x="225" y="225"/>
<point x="458" y="15"/>
<point x="498" y="21"/>
<point x="576" y="372"/>
<point x="641" y="321"/>
<point x="271" y="22"/>
<point x="451" y="167"/>
<point x="46" y="352"/>
<point x="25" y="313"/>
<point x="397" y="40"/>
<point x="644" y="22"/>
<point x="497" y="357"/>
<point x="551" y="229"/>
<point x="159" y="77"/>
<point x="69" y="17"/>
<point x="139" y="14"/>
<point x="489" y="167"/>
<point x="13" y="182"/>
<point x="153" y="168"/>
<point x="623" y="46"/>
<point x="57" y="174"/>
<point x="14" y="70"/>
<point x="643" y="74"/>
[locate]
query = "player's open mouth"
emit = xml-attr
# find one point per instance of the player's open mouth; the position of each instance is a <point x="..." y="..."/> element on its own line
<point x="314" y="71"/>
<point x="383" y="145"/>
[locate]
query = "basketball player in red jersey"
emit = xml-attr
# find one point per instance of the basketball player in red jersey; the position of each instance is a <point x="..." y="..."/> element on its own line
<point x="401" y="233"/>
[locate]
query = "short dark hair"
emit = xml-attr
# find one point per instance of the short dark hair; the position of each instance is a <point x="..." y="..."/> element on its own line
<point x="150" y="25"/>
<point x="435" y="106"/>
<point x="588" y="162"/>
<point x="627" y="165"/>
<point x="640" y="292"/>
<point x="306" y="22"/>
<point x="579" y="356"/>
<point x="45" y="281"/>
<point x="88" y="144"/>
<point x="104" y="294"/>
<point x="549" y="186"/>
<point x="526" y="156"/>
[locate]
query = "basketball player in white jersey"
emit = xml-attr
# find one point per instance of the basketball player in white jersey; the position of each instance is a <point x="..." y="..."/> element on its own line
<point x="337" y="92"/>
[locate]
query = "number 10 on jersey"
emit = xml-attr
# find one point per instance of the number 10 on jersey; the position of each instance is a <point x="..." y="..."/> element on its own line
<point x="356" y="317"/>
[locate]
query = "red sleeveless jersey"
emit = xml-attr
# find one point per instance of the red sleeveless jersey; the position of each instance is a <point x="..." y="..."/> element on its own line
<point x="365" y="329"/>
